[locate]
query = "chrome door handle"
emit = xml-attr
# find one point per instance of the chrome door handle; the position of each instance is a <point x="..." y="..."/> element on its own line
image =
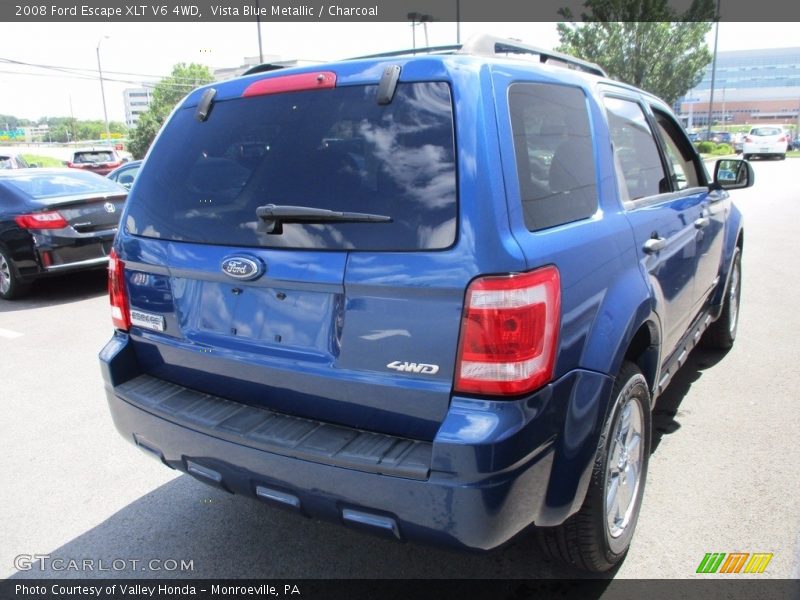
<point x="702" y="222"/>
<point x="654" y="245"/>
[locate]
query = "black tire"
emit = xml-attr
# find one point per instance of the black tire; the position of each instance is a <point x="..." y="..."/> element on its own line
<point x="589" y="540"/>
<point x="722" y="332"/>
<point x="782" y="157"/>
<point x="10" y="284"/>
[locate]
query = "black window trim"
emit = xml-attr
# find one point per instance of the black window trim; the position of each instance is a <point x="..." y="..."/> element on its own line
<point x="651" y="110"/>
<point x="645" y="106"/>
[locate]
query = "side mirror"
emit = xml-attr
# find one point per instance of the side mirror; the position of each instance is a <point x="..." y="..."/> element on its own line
<point x="733" y="174"/>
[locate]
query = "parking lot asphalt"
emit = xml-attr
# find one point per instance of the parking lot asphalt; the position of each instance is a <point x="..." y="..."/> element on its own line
<point x="723" y="477"/>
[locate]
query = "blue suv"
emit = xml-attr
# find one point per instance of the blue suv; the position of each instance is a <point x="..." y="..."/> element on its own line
<point x="434" y="296"/>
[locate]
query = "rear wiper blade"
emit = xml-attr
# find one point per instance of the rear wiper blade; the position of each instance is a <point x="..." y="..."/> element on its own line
<point x="274" y="216"/>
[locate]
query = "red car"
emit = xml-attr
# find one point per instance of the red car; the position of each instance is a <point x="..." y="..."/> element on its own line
<point x="101" y="161"/>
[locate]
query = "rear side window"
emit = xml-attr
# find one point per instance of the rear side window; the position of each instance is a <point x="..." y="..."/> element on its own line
<point x="335" y="149"/>
<point x="554" y="154"/>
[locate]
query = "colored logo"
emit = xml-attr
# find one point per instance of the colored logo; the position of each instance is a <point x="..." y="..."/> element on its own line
<point x="734" y="562"/>
<point x="242" y="267"/>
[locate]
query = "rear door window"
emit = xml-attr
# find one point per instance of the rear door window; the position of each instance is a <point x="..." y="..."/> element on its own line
<point x="554" y="154"/>
<point x="334" y="149"/>
<point x="635" y="150"/>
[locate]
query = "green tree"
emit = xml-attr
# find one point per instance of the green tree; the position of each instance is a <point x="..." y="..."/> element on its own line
<point x="167" y="93"/>
<point x="12" y="122"/>
<point x="643" y="42"/>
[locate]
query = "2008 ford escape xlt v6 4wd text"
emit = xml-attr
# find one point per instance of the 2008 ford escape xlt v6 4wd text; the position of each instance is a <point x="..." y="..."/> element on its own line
<point x="433" y="295"/>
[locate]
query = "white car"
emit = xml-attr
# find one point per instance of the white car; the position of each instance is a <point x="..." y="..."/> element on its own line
<point x="765" y="140"/>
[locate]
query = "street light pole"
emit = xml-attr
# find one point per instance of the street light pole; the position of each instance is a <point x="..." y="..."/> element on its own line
<point x="419" y="19"/>
<point x="412" y="16"/>
<point x="103" y="89"/>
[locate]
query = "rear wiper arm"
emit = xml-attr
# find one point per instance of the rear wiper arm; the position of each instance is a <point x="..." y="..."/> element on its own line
<point x="274" y="216"/>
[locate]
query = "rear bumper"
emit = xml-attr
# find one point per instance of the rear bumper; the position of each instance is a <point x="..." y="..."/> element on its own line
<point x="493" y="469"/>
<point x="49" y="254"/>
<point x="764" y="149"/>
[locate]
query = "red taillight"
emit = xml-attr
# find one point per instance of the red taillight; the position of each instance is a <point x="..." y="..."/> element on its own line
<point x="51" y="219"/>
<point x="748" y="139"/>
<point x="70" y="164"/>
<point x="782" y="138"/>
<point x="292" y="83"/>
<point x="116" y="292"/>
<point x="509" y="333"/>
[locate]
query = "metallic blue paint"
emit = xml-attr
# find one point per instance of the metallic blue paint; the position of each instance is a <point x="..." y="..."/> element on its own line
<point x="313" y="335"/>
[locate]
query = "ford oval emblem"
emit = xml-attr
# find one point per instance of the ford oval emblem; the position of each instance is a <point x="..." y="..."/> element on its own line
<point x="243" y="267"/>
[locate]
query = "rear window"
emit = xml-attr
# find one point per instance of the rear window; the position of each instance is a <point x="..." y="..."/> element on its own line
<point x="765" y="131"/>
<point x="38" y="185"/>
<point x="554" y="152"/>
<point x="93" y="157"/>
<point x="335" y="149"/>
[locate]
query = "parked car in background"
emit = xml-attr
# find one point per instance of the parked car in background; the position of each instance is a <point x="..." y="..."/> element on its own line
<point x="320" y="302"/>
<point x="765" y="141"/>
<point x="13" y="161"/>
<point x="722" y="137"/>
<point x="54" y="221"/>
<point x="738" y="142"/>
<point x="97" y="160"/>
<point x="125" y="174"/>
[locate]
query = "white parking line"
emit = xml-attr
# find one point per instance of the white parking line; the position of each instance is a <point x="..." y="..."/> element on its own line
<point x="9" y="335"/>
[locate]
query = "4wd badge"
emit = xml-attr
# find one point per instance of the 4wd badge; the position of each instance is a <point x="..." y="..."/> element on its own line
<point x="407" y="367"/>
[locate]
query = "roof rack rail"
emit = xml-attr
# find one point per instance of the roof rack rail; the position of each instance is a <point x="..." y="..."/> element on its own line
<point x="424" y="50"/>
<point x="488" y="45"/>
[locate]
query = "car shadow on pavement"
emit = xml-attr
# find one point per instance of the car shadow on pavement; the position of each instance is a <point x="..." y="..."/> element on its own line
<point x="668" y="405"/>
<point x="227" y="536"/>
<point x="63" y="289"/>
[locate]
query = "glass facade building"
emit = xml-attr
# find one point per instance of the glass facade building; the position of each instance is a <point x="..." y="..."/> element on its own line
<point x="752" y="86"/>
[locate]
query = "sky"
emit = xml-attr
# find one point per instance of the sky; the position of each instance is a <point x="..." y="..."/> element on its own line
<point x="137" y="52"/>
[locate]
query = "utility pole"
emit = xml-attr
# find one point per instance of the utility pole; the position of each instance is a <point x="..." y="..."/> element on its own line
<point x="458" y="21"/>
<point x="258" y="24"/>
<point x="71" y="121"/>
<point x="102" y="89"/>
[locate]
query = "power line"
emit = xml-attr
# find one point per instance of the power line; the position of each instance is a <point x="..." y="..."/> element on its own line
<point x="88" y="72"/>
<point x="147" y="84"/>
